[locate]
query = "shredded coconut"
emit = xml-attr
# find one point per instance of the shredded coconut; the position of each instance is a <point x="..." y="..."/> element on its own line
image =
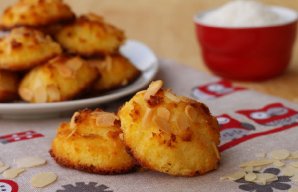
<point x="243" y="13"/>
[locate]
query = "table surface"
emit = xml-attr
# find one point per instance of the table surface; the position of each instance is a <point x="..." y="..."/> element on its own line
<point x="167" y="27"/>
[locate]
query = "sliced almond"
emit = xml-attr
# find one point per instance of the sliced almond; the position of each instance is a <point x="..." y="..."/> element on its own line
<point x="43" y="179"/>
<point x="147" y="117"/>
<point x="28" y="162"/>
<point x="278" y="163"/>
<point x="74" y="64"/>
<point x="288" y="171"/>
<point x="154" y="87"/>
<point x="65" y="71"/>
<point x="141" y="92"/>
<point x="40" y="95"/>
<point x="234" y="176"/>
<point x="258" y="168"/>
<point x="105" y="119"/>
<point x="164" y="113"/>
<point x="250" y="177"/>
<point x="280" y="154"/>
<point x="12" y="173"/>
<point x="182" y="122"/>
<point x="294" y="164"/>
<point x="269" y="177"/>
<point x="248" y="169"/>
<point x="26" y="93"/>
<point x="256" y="163"/>
<point x="172" y="97"/>
<point x="72" y="123"/>
<point x="3" y="168"/>
<point x="214" y="146"/>
<point x="264" y="178"/>
<point x="53" y="93"/>
<point x="191" y="112"/>
<point x="162" y="124"/>
<point x="260" y="181"/>
<point x="108" y="63"/>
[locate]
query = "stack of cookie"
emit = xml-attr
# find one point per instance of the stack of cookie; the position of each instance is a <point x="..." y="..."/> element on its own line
<point x="47" y="54"/>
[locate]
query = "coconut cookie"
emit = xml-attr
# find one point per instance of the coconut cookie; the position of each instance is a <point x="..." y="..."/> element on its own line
<point x="36" y="13"/>
<point x="60" y="79"/>
<point x="169" y="133"/>
<point x="24" y="48"/>
<point x="89" y="36"/>
<point x="116" y="71"/>
<point x="92" y="142"/>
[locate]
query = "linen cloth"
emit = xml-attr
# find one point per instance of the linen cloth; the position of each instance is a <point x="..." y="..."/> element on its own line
<point x="251" y="123"/>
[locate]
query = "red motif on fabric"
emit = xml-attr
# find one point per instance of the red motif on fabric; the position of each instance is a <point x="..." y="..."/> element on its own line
<point x="20" y="136"/>
<point x="275" y="117"/>
<point x="8" y="186"/>
<point x="275" y="114"/>
<point x="214" y="90"/>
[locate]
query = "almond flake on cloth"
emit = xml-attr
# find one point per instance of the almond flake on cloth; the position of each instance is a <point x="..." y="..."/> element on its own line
<point x="280" y="154"/>
<point x="3" y="168"/>
<point x="267" y="178"/>
<point x="250" y="177"/>
<point x="257" y="163"/>
<point x="43" y="179"/>
<point x="28" y="162"/>
<point x="278" y="163"/>
<point x="12" y="173"/>
<point x="234" y="176"/>
<point x="289" y="171"/>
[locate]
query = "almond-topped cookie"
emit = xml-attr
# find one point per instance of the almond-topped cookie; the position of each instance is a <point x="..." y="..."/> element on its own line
<point x="24" y="48"/>
<point x="92" y="142"/>
<point x="36" y="13"/>
<point x="116" y="71"/>
<point x="168" y="133"/>
<point x="62" y="78"/>
<point x="89" y="36"/>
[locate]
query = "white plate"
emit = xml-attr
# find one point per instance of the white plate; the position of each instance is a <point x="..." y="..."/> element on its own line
<point x="140" y="55"/>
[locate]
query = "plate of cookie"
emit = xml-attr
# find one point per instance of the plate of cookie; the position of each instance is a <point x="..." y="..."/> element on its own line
<point x="53" y="62"/>
<point x="142" y="57"/>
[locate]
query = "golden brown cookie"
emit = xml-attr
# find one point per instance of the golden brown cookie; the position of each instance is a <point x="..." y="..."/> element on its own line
<point x="24" y="48"/>
<point x="116" y="71"/>
<point x="89" y="36"/>
<point x="36" y="13"/>
<point x="91" y="142"/>
<point x="8" y="86"/>
<point x="62" y="78"/>
<point x="169" y="133"/>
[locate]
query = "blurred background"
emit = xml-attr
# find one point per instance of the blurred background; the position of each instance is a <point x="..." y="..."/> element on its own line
<point x="167" y="27"/>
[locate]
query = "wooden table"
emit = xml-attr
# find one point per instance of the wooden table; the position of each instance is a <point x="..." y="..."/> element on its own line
<point x="167" y="27"/>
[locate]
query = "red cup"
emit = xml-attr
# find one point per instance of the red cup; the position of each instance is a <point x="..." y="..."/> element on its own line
<point x="248" y="53"/>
